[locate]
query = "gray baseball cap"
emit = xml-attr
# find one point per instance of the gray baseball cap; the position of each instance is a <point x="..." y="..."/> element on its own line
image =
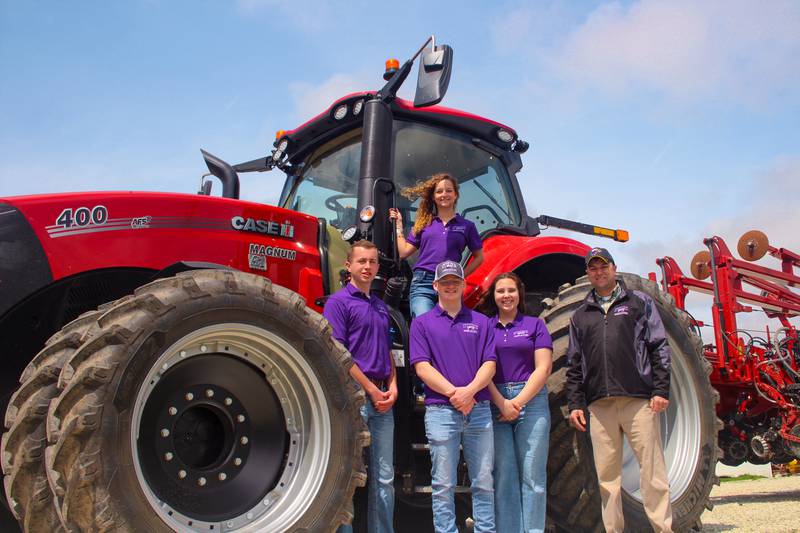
<point x="448" y="268"/>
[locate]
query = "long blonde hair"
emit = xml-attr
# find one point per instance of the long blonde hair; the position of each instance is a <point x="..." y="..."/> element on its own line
<point x="427" y="207"/>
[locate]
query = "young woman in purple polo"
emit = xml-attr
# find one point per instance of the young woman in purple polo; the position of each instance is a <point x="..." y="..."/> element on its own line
<point x="439" y="233"/>
<point x="520" y="407"/>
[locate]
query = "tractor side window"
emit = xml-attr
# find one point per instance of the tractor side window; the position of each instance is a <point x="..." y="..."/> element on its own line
<point x="327" y="187"/>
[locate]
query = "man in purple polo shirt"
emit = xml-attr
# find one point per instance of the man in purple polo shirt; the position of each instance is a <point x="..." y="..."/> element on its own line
<point x="453" y="353"/>
<point x="360" y="322"/>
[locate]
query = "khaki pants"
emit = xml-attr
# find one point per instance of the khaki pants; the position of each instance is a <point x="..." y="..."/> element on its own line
<point x="609" y="419"/>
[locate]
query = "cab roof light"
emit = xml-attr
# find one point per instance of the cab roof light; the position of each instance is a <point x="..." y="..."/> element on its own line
<point x="392" y="66"/>
<point x="340" y="112"/>
<point x="505" y="136"/>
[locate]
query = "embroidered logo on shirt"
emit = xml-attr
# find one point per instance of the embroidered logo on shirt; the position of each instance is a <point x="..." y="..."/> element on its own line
<point x="621" y="310"/>
<point x="521" y="333"/>
<point x="470" y="328"/>
<point x="457" y="229"/>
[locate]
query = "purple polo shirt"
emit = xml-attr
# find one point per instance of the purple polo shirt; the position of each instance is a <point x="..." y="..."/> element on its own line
<point x="361" y="324"/>
<point x="456" y="347"/>
<point x="438" y="242"/>
<point x="515" y="344"/>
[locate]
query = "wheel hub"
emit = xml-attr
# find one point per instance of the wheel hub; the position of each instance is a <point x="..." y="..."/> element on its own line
<point x="212" y="450"/>
<point x="204" y="436"/>
<point x="736" y="451"/>
<point x="761" y="448"/>
<point x="230" y="431"/>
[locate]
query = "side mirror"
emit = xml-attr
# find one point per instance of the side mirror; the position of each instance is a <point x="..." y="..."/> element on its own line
<point x="435" y="67"/>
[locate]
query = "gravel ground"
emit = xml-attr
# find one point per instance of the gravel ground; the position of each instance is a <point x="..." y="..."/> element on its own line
<point x="769" y="505"/>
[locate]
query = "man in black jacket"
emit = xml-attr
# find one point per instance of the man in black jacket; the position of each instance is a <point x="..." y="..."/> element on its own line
<point x="619" y="367"/>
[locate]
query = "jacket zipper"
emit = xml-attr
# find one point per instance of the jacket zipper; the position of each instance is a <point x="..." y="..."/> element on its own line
<point x="605" y="354"/>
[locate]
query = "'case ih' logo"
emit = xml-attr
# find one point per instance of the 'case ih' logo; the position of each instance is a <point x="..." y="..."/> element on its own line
<point x="263" y="226"/>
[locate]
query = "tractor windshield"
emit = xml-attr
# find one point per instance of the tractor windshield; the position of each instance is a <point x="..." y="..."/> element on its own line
<point x="328" y="184"/>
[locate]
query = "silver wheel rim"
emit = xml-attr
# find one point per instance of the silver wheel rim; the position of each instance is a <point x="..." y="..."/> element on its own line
<point x="306" y="414"/>
<point x="680" y="434"/>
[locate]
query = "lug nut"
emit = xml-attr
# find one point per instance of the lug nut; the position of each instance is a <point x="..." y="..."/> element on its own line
<point x="182" y="474"/>
<point x="173" y="411"/>
<point x="222" y="476"/>
<point x="189" y="396"/>
<point x="209" y="393"/>
<point x="168" y="456"/>
<point x="244" y="440"/>
<point x="228" y="401"/>
<point x="165" y="432"/>
<point x="237" y="461"/>
<point x="201" y="481"/>
<point x="240" y="418"/>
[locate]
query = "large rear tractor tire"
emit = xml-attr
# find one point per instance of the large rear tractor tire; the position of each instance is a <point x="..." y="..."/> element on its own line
<point x="689" y="427"/>
<point x="23" y="445"/>
<point x="210" y="401"/>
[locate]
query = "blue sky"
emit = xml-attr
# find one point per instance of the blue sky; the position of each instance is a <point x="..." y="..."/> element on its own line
<point x="675" y="120"/>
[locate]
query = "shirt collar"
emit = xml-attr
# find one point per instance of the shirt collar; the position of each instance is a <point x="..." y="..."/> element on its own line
<point x="352" y="290"/>
<point x="611" y="297"/>
<point x="441" y="312"/>
<point x="456" y="217"/>
<point x="515" y="322"/>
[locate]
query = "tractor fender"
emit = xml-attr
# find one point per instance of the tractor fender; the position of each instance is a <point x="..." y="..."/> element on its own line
<point x="505" y="253"/>
<point x="183" y="266"/>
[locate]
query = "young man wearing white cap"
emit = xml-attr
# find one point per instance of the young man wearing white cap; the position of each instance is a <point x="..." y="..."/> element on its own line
<point x="453" y="353"/>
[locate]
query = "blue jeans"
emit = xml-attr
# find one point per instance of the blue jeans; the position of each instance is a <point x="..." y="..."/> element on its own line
<point x="422" y="298"/>
<point x="380" y="471"/>
<point x="520" y="463"/>
<point x="446" y="428"/>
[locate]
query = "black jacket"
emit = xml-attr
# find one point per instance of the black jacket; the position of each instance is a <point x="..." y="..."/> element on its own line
<point x="620" y="353"/>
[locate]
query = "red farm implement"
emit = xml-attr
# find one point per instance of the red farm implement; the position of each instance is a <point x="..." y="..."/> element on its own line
<point x="757" y="375"/>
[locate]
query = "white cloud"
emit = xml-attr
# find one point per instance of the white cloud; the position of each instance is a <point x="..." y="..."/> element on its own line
<point x="768" y="204"/>
<point x="738" y="50"/>
<point x="310" y="99"/>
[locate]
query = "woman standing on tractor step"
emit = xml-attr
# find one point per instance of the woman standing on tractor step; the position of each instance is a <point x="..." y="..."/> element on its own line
<point x="439" y="233"/>
<point x="520" y="407"/>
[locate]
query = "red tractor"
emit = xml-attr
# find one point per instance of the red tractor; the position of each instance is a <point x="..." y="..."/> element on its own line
<point x="176" y="373"/>
<point x="758" y="377"/>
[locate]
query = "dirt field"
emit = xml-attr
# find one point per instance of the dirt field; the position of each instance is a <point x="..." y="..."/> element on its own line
<point x="761" y="505"/>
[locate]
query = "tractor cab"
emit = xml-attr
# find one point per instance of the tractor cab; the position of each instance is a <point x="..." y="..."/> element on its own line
<point x="325" y="184"/>
<point x="348" y="165"/>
